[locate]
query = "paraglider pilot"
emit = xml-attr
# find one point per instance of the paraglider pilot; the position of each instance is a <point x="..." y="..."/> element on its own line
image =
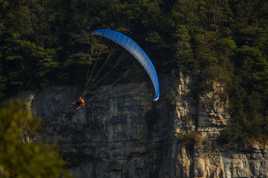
<point x="80" y="103"/>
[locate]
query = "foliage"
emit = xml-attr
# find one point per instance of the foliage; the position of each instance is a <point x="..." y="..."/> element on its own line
<point x="20" y="155"/>
<point x="226" y="41"/>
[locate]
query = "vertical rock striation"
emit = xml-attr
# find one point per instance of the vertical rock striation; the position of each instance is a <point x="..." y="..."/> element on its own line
<point x="208" y="159"/>
<point x="120" y="133"/>
<point x="123" y="134"/>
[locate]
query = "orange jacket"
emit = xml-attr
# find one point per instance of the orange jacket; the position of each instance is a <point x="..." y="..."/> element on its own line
<point x="81" y="102"/>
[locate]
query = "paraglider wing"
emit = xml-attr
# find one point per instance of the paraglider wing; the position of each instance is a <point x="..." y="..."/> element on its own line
<point x="133" y="48"/>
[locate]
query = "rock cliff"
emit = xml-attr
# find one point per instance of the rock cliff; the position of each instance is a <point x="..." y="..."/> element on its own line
<point x="203" y="120"/>
<point x="123" y="134"/>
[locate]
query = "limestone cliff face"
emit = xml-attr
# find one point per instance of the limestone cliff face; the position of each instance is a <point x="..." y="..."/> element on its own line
<point x="206" y="158"/>
<point x="123" y="134"/>
<point x="120" y="133"/>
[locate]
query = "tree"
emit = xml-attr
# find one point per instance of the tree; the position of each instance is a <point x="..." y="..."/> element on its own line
<point x="21" y="154"/>
<point x="184" y="52"/>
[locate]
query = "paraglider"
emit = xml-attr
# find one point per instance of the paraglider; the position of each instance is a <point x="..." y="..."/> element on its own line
<point x="133" y="48"/>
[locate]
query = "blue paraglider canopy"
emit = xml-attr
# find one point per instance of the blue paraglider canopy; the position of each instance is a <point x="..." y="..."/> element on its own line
<point x="133" y="48"/>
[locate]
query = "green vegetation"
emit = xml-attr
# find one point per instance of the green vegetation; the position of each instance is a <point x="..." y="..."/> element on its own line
<point x="48" y="42"/>
<point x="20" y="156"/>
